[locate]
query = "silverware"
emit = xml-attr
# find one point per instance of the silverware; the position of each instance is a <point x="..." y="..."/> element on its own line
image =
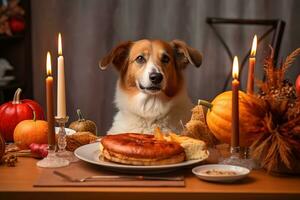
<point x="109" y="177"/>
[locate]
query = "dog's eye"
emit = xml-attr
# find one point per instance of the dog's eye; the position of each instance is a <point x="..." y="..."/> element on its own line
<point x="165" y="59"/>
<point x="140" y="60"/>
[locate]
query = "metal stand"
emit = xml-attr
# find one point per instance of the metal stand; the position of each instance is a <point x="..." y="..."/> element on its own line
<point x="62" y="142"/>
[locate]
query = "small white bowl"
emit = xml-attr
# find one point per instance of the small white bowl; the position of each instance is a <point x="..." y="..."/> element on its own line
<point x="68" y="131"/>
<point x="241" y="172"/>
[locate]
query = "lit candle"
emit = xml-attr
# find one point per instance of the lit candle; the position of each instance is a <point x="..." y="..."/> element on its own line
<point x="235" y="103"/>
<point x="250" y="83"/>
<point x="49" y="95"/>
<point x="61" y="90"/>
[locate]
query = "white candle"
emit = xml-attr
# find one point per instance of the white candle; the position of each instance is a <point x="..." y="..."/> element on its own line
<point x="61" y="89"/>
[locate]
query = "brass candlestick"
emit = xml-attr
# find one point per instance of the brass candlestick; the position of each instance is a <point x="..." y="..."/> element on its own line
<point x="62" y="140"/>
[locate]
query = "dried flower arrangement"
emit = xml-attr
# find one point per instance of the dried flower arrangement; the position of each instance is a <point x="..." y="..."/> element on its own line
<point x="278" y="147"/>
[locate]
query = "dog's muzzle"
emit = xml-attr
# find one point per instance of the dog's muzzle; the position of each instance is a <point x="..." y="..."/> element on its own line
<point x="155" y="78"/>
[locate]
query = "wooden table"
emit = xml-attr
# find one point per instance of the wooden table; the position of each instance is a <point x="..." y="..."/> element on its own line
<point x="16" y="183"/>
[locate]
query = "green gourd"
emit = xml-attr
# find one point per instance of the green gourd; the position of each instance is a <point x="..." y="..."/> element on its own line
<point x="82" y="125"/>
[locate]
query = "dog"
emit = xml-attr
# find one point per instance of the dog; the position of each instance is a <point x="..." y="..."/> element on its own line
<point x="151" y="90"/>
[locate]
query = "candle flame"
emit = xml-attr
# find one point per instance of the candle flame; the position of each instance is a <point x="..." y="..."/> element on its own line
<point x="59" y="44"/>
<point x="48" y="64"/>
<point x="254" y="46"/>
<point x="235" y="68"/>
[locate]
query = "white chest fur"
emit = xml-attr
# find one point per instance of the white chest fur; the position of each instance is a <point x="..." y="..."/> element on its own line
<point x="142" y="112"/>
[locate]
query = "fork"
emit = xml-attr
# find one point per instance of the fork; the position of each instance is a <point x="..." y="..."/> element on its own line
<point x="109" y="177"/>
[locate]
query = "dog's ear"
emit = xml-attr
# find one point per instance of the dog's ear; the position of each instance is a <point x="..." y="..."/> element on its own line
<point x="185" y="54"/>
<point x="118" y="56"/>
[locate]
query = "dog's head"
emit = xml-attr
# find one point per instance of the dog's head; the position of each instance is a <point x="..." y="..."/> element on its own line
<point x="152" y="66"/>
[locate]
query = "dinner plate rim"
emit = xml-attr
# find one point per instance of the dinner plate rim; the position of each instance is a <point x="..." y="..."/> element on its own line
<point x="77" y="153"/>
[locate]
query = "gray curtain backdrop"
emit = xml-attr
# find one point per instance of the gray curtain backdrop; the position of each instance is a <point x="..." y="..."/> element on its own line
<point x="90" y="28"/>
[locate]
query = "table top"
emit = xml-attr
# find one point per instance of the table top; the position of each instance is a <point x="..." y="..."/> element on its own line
<point x="16" y="183"/>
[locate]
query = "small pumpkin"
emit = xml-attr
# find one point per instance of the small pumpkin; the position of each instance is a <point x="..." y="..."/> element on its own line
<point x="251" y="113"/>
<point x="83" y="125"/>
<point x="31" y="131"/>
<point x="15" y="111"/>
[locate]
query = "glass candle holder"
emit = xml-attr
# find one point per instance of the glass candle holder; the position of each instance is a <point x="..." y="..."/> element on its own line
<point x="62" y="140"/>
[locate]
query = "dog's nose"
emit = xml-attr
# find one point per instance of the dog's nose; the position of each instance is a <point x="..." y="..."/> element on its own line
<point x="155" y="77"/>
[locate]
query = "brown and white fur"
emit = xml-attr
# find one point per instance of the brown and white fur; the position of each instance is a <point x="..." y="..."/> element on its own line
<point x="151" y="89"/>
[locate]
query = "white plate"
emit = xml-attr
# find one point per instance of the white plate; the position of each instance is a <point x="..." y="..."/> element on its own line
<point x="68" y="131"/>
<point x="91" y="152"/>
<point x="241" y="172"/>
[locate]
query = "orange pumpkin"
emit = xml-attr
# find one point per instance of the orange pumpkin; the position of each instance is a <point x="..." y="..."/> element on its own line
<point x="251" y="113"/>
<point x="31" y="131"/>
